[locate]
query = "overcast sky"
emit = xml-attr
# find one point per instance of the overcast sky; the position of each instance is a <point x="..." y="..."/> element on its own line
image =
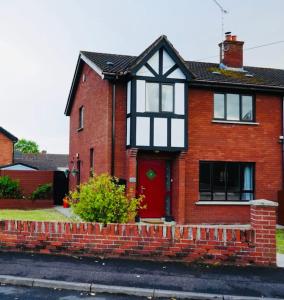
<point x="40" y="41"/>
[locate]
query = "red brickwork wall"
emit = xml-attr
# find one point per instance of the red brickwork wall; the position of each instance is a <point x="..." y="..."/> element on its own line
<point x="232" y="142"/>
<point x="6" y="150"/>
<point x="29" y="180"/>
<point x="208" y="243"/>
<point x="207" y="141"/>
<point x="95" y="95"/>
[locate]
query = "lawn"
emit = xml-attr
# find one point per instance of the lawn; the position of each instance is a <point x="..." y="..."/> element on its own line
<point x="280" y="240"/>
<point x="32" y="215"/>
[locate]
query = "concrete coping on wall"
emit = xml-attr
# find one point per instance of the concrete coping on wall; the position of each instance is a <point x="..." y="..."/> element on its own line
<point x="263" y="202"/>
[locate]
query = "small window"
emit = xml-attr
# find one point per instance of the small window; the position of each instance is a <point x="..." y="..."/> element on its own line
<point x="152" y="97"/>
<point x="167" y="98"/>
<point x="91" y="162"/>
<point x="81" y="117"/>
<point x="233" y="107"/>
<point x="221" y="181"/>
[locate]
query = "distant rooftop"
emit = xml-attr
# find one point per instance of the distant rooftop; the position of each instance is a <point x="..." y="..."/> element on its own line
<point x="43" y="161"/>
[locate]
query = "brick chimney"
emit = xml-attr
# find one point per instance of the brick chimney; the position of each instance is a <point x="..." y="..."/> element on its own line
<point x="233" y="52"/>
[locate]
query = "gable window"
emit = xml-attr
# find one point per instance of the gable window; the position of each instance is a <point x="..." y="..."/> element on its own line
<point x="81" y="117"/>
<point x="159" y="97"/>
<point x="232" y="181"/>
<point x="233" y="107"/>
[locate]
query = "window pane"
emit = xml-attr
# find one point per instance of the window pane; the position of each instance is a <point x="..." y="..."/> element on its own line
<point x="247" y="181"/>
<point x="204" y="177"/>
<point x="247" y="108"/>
<point x="81" y="117"/>
<point x="167" y="97"/>
<point x="205" y="196"/>
<point x="233" y="177"/>
<point x="219" y="108"/>
<point x="233" y="107"/>
<point x="233" y="181"/>
<point x="218" y="181"/>
<point x="152" y="97"/>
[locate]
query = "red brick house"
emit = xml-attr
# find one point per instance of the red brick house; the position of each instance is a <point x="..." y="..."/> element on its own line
<point x="199" y="140"/>
<point x="7" y="141"/>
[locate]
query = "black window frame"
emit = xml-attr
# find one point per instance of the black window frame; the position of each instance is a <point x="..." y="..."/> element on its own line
<point x="240" y="191"/>
<point x="253" y="120"/>
<point x="160" y="97"/>
<point x="81" y="117"/>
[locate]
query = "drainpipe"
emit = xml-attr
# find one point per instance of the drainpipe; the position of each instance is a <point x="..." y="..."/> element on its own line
<point x="113" y="130"/>
<point x="282" y="143"/>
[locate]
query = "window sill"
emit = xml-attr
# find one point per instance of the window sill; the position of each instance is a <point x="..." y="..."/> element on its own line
<point x="222" y="202"/>
<point x="80" y="129"/>
<point x="235" y="122"/>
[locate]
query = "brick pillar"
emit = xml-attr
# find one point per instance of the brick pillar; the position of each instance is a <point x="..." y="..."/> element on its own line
<point x="131" y="158"/>
<point x="180" y="188"/>
<point x="263" y="222"/>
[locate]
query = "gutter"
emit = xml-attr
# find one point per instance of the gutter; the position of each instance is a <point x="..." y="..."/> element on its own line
<point x="239" y="86"/>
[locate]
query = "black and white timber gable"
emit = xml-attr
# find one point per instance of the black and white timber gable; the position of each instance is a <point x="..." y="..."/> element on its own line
<point x="157" y="100"/>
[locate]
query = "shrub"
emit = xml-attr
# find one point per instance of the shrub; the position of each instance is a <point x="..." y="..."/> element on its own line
<point x="102" y="200"/>
<point x="43" y="191"/>
<point x="9" y="188"/>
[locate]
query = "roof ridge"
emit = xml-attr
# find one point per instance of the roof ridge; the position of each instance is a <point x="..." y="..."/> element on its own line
<point x="104" y="53"/>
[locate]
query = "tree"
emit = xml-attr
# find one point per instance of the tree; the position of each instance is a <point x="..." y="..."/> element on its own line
<point x="27" y="146"/>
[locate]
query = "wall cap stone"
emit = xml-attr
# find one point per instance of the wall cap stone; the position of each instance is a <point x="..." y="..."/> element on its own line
<point x="263" y="202"/>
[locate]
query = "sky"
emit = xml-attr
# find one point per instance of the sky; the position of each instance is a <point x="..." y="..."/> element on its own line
<point x="40" y="41"/>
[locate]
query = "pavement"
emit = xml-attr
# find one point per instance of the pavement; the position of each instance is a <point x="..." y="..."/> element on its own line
<point x="133" y="277"/>
<point x="26" y="293"/>
<point x="280" y="260"/>
<point x="67" y="212"/>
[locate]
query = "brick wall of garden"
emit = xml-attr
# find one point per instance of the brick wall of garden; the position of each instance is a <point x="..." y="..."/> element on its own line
<point x="253" y="243"/>
<point x="29" y="180"/>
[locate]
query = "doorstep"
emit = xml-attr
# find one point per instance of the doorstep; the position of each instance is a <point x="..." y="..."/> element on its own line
<point x="155" y="221"/>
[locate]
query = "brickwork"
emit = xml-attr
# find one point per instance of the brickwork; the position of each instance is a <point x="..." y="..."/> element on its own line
<point x="95" y="95"/>
<point x="257" y="143"/>
<point x="232" y="142"/>
<point x="29" y="180"/>
<point x="6" y="153"/>
<point x="243" y="244"/>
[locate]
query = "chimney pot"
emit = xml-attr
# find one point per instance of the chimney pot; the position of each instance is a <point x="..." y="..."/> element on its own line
<point x="234" y="37"/>
<point x="228" y="37"/>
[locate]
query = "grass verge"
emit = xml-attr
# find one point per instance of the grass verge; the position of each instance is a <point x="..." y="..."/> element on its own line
<point x="32" y="215"/>
<point x="280" y="240"/>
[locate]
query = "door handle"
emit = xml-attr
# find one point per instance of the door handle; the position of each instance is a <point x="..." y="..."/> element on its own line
<point x="142" y="189"/>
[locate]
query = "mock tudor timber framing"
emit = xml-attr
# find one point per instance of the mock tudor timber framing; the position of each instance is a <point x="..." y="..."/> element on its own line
<point x="160" y="79"/>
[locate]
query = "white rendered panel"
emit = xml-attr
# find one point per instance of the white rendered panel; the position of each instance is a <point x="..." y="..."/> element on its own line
<point x="167" y="62"/>
<point x="142" y="131"/>
<point x="154" y="62"/>
<point x="177" y="73"/>
<point x="160" y="132"/>
<point x="140" y="96"/>
<point x="144" y="71"/>
<point x="128" y="96"/>
<point x="177" y="133"/>
<point x="179" y="98"/>
<point x="128" y="132"/>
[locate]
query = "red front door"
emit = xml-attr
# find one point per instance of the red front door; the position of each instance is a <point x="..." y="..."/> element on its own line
<point x="152" y="184"/>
